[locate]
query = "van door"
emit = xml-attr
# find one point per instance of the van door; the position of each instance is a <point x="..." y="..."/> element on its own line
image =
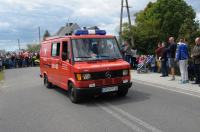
<point x="55" y="55"/>
<point x="65" y="69"/>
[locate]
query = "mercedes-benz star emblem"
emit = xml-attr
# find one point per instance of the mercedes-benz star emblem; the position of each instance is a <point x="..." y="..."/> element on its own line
<point x="107" y="74"/>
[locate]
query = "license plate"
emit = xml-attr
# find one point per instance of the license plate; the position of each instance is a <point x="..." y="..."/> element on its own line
<point x="109" y="89"/>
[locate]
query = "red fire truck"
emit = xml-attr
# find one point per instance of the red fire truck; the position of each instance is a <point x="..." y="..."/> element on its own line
<point x="86" y="63"/>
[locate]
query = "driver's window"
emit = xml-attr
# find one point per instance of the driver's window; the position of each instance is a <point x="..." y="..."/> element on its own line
<point x="65" y="54"/>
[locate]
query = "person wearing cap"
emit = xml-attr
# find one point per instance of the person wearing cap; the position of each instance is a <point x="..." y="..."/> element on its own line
<point x="182" y="57"/>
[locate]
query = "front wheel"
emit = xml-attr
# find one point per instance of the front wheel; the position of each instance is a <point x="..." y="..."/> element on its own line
<point x="72" y="94"/>
<point x="47" y="84"/>
<point x="122" y="93"/>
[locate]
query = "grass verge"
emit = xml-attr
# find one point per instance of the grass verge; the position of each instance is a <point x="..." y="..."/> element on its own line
<point x="1" y="75"/>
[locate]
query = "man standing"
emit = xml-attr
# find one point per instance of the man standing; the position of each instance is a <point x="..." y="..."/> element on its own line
<point x="127" y="49"/>
<point x="1" y="64"/>
<point x="196" y="57"/>
<point x="171" y="51"/>
<point x="182" y="56"/>
<point x="133" y="57"/>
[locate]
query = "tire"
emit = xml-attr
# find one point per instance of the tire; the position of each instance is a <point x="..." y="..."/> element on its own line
<point x="47" y="84"/>
<point x="73" y="95"/>
<point x="123" y="93"/>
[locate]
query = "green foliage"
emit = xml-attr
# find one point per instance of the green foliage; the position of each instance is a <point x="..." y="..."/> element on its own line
<point x="33" y="47"/>
<point x="1" y="75"/>
<point x="160" y="20"/>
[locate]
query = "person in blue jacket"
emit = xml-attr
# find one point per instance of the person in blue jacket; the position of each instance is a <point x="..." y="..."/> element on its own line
<point x="182" y="56"/>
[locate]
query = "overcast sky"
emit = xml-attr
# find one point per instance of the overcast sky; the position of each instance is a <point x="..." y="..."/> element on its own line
<point x="21" y="18"/>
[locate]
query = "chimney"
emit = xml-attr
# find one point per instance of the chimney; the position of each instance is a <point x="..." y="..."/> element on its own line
<point x="69" y="24"/>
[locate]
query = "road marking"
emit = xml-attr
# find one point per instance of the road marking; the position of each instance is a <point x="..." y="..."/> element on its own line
<point x="178" y="90"/>
<point x="127" y="118"/>
<point x="121" y="118"/>
<point x="135" y="119"/>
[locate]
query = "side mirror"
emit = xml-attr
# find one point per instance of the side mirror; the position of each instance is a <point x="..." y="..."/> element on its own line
<point x="69" y="61"/>
<point x="64" y="56"/>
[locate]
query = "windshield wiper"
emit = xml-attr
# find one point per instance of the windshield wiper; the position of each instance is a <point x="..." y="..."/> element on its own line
<point x="83" y="57"/>
<point x="115" y="58"/>
<point x="103" y="56"/>
<point x="109" y="57"/>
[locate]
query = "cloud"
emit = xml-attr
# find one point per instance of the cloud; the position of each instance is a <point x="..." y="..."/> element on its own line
<point x="4" y="25"/>
<point x="21" y="18"/>
<point x="198" y="16"/>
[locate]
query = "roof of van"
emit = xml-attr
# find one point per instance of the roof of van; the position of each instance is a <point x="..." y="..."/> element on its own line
<point x="78" y="36"/>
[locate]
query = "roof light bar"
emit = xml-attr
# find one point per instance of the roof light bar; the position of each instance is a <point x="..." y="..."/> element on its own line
<point x="90" y="32"/>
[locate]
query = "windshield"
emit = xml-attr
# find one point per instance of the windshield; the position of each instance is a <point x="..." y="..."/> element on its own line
<point x="95" y="49"/>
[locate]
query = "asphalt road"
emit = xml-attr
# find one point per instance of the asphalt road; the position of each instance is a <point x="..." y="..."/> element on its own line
<point x="27" y="106"/>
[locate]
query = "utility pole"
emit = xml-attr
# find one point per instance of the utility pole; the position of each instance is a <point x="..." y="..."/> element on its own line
<point x="19" y="44"/>
<point x="128" y="12"/>
<point x="129" y="21"/>
<point x="39" y="35"/>
<point x="121" y="17"/>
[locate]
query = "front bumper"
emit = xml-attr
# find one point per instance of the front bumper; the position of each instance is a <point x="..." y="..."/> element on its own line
<point x="98" y="90"/>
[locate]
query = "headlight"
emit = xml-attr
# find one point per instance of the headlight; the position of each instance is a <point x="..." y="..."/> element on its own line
<point x="125" y="72"/>
<point x="86" y="76"/>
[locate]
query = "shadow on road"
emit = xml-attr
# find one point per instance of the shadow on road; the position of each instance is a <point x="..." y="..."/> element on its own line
<point x="132" y="96"/>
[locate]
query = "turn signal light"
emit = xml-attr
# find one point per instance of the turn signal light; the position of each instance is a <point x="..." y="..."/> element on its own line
<point x="78" y="77"/>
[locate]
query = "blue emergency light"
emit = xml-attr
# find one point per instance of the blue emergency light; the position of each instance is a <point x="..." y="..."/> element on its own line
<point x="90" y="32"/>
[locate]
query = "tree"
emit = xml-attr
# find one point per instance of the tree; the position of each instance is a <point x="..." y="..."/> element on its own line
<point x="160" y="20"/>
<point x="46" y="34"/>
<point x="33" y="47"/>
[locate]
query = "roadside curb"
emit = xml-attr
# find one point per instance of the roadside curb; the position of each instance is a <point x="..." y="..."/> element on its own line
<point x="187" y="91"/>
<point x="1" y="83"/>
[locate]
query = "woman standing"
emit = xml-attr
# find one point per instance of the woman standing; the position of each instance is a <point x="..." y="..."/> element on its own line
<point x="158" y="52"/>
<point x="163" y="58"/>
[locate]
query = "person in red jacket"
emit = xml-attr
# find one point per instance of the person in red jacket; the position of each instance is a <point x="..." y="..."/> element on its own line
<point x="158" y="52"/>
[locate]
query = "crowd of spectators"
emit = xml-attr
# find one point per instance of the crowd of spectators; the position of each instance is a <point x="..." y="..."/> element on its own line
<point x="170" y="57"/>
<point x="10" y="60"/>
<point x="178" y="55"/>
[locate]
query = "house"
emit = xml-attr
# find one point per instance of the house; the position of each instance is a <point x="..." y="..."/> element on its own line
<point x="93" y="28"/>
<point x="68" y="29"/>
<point x="2" y="52"/>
